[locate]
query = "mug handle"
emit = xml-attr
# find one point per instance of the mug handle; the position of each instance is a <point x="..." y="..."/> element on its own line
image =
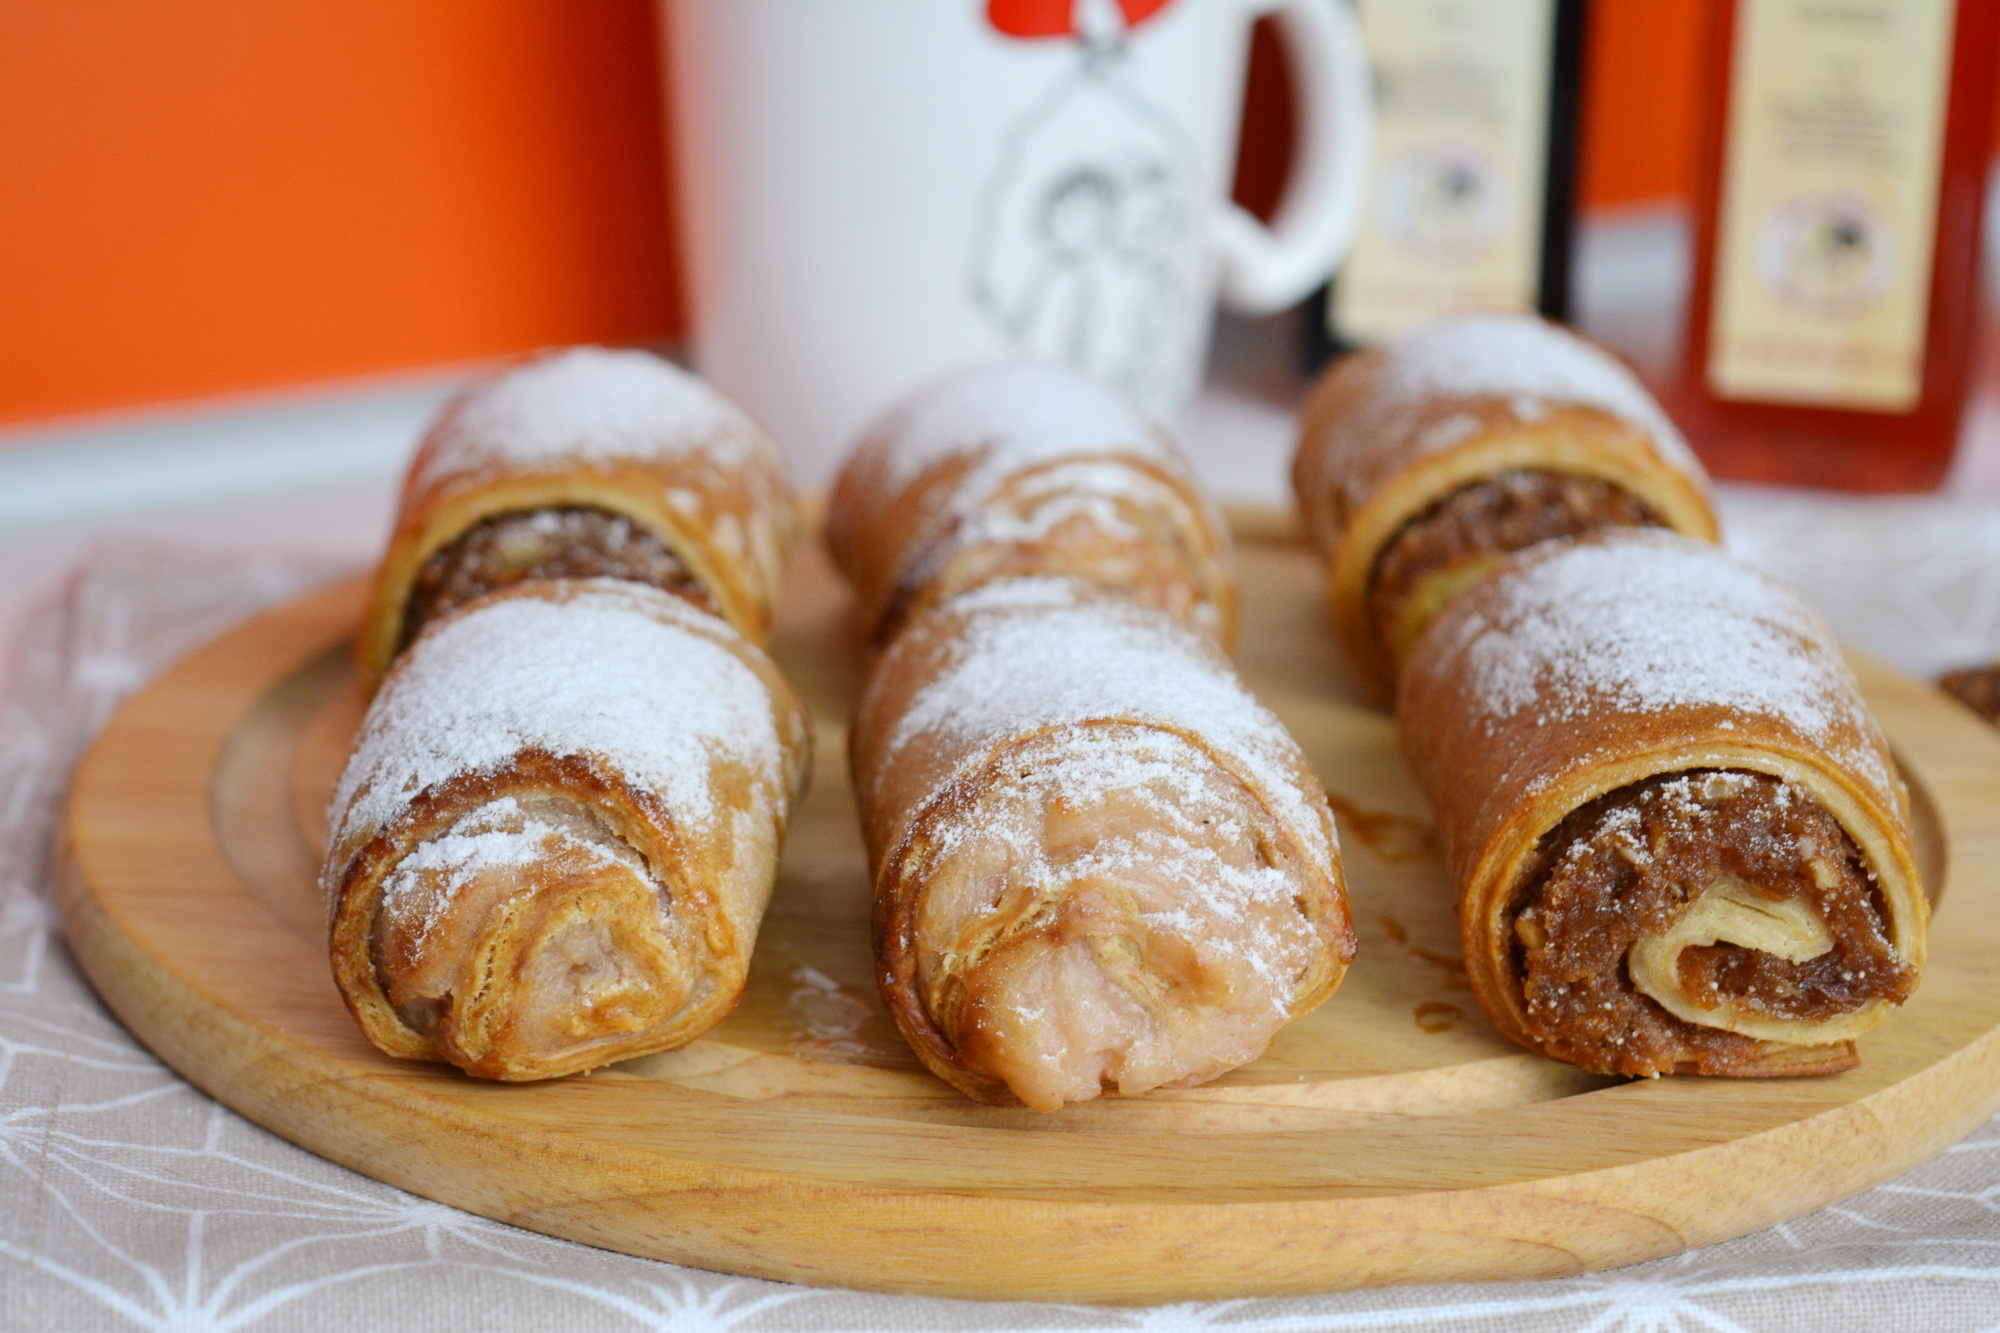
<point x="1268" y="268"/>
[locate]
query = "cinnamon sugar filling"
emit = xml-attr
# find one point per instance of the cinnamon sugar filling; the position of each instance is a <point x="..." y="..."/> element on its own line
<point x="555" y="543"/>
<point x="1451" y="545"/>
<point x="1732" y="898"/>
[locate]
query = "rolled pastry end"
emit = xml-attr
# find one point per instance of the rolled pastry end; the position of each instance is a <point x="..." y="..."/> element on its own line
<point x="1715" y="921"/>
<point x="584" y="462"/>
<point x="526" y="941"/>
<point x="1425" y="460"/>
<point x="1457" y="517"/>
<point x="609" y="521"/>
<point x="1114" y="910"/>
<point x="1464" y="536"/>
<point x="560" y="542"/>
<point x="1115" y="523"/>
<point x="1020" y="469"/>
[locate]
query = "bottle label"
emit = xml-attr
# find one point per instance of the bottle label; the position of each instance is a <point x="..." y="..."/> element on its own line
<point x="1828" y="218"/>
<point x="1454" y="219"/>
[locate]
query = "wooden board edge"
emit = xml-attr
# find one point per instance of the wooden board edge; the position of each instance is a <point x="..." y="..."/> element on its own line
<point x="1111" y="1253"/>
<point x="1066" y="1248"/>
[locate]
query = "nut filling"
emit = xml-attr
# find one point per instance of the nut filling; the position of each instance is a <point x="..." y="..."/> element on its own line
<point x="1448" y="547"/>
<point x="568" y="543"/>
<point x="1661" y="916"/>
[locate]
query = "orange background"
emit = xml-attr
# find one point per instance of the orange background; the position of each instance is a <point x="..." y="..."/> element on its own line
<point x="205" y="196"/>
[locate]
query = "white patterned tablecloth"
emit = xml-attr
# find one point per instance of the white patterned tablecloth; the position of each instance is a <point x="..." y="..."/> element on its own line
<point x="129" y="1199"/>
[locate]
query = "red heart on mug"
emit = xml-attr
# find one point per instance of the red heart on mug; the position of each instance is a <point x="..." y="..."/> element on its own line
<point x="1138" y="11"/>
<point x="1030" y="18"/>
<point x="1056" y="18"/>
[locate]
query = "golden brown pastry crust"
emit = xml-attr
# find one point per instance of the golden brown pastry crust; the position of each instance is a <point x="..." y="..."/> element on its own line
<point x="1512" y="715"/>
<point x="622" y="431"/>
<point x="712" y="856"/>
<point x="1378" y="446"/>
<point x="923" y="763"/>
<point x="953" y="489"/>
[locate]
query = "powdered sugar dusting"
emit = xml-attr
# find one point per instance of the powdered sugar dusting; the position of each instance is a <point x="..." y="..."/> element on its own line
<point x="1189" y="863"/>
<point x="1101" y="492"/>
<point x="1053" y="495"/>
<point x="1644" y="622"/>
<point x="1015" y="414"/>
<point x="499" y="834"/>
<point x="590" y="404"/>
<point x="1444" y="434"/>
<point x="1045" y="446"/>
<point x="1173" y="864"/>
<point x="610" y="670"/>
<point x="1034" y="652"/>
<point x="1528" y="361"/>
<point x="486" y="837"/>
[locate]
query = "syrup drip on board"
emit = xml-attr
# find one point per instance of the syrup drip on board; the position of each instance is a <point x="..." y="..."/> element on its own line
<point x="1390" y="836"/>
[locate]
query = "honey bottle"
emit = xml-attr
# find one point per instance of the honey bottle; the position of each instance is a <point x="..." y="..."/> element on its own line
<point x="1830" y="330"/>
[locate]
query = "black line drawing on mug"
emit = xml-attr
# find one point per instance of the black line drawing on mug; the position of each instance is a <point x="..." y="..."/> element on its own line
<point x="1082" y="242"/>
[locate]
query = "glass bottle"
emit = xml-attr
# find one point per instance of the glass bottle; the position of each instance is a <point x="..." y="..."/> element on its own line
<point x="1844" y="163"/>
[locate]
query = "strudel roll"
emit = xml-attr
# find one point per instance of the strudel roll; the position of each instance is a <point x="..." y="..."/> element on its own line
<point x="1978" y="688"/>
<point x="1679" y="836"/>
<point x="1098" y="861"/>
<point x="1018" y="469"/>
<point x="585" y="463"/>
<point x="554" y="842"/>
<point x="1423" y="463"/>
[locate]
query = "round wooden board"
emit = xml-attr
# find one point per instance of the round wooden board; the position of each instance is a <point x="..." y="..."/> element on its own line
<point x="1391" y="1136"/>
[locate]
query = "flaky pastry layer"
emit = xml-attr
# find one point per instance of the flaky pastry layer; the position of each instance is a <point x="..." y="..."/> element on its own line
<point x="1390" y="434"/>
<point x="1543" y="712"/>
<point x="622" y="433"/>
<point x="1074" y="895"/>
<point x="554" y="844"/>
<point x="1019" y="470"/>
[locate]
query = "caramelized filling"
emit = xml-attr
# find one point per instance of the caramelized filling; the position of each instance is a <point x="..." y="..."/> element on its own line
<point x="567" y="543"/>
<point x="1448" y="547"/>
<point x="1746" y="850"/>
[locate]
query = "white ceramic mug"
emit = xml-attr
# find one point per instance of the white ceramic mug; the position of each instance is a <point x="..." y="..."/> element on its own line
<point x="874" y="191"/>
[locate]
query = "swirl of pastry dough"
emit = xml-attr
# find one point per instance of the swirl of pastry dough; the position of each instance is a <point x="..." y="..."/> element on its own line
<point x="1680" y="838"/>
<point x="581" y="463"/>
<point x="1422" y="464"/>
<point x="1018" y="469"/>
<point x="557" y="834"/>
<point x="1099" y="862"/>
